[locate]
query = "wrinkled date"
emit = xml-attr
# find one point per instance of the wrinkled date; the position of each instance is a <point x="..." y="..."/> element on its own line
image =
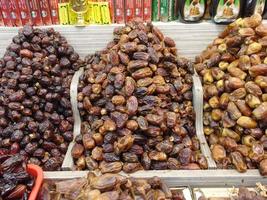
<point x="35" y="110"/>
<point x="234" y="75"/>
<point x="15" y="182"/>
<point x="111" y="187"/>
<point x="136" y="96"/>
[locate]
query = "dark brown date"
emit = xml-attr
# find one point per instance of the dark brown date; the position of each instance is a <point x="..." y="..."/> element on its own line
<point x="136" y="95"/>
<point x="35" y="79"/>
<point x="113" y="187"/>
<point x="15" y="182"/>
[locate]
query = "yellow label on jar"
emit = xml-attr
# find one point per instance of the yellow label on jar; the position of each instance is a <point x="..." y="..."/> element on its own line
<point x="97" y="13"/>
<point x="105" y="14"/>
<point x="89" y="17"/>
<point x="72" y="16"/>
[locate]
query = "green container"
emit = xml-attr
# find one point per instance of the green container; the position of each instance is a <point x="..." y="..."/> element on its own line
<point x="164" y="10"/>
<point x="171" y="8"/>
<point x="155" y="10"/>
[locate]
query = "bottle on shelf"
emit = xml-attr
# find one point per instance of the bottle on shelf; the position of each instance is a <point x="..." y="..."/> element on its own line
<point x="129" y="10"/>
<point x="63" y="12"/>
<point x="45" y="11"/>
<point x="155" y="10"/>
<point x="207" y="15"/>
<point x="226" y="11"/>
<point x="119" y="11"/>
<point x="147" y="10"/>
<point x="255" y="6"/>
<point x="35" y="12"/>
<point x="54" y="11"/>
<point x="164" y="10"/>
<point x="191" y="11"/>
<point x="172" y="10"/>
<point x="80" y="8"/>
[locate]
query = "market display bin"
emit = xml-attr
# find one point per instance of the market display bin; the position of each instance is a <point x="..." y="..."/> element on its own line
<point x="190" y="39"/>
<point x="211" y="183"/>
<point x="94" y="41"/>
<point x="197" y="103"/>
<point x="52" y="177"/>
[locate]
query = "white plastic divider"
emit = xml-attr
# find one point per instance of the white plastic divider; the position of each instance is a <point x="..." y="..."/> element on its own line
<point x="177" y="178"/>
<point x="198" y="106"/>
<point x="68" y="161"/>
<point x="187" y="192"/>
<point x="222" y="193"/>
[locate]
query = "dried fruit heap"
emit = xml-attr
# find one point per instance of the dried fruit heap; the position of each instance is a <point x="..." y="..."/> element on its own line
<point x="135" y="99"/>
<point x="15" y="182"/>
<point x="35" y="110"/>
<point x="111" y="186"/>
<point x="234" y="73"/>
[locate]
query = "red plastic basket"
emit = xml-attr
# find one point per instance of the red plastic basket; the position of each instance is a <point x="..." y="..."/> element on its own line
<point x="37" y="173"/>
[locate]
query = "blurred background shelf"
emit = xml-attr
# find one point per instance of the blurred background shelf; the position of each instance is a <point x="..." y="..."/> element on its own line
<point x="190" y="39"/>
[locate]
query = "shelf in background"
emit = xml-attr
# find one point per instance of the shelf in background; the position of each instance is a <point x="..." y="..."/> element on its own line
<point x="190" y="39"/>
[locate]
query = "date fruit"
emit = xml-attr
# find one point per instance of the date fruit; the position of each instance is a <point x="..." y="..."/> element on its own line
<point x="35" y="77"/>
<point x="143" y="105"/>
<point x="235" y="107"/>
<point x="15" y="182"/>
<point x="110" y="187"/>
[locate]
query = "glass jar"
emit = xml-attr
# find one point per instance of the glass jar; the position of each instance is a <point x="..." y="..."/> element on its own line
<point x="191" y="11"/>
<point x="226" y="11"/>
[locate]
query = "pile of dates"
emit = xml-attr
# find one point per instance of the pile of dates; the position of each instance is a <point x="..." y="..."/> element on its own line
<point x="234" y="75"/>
<point x="15" y="182"/>
<point x="135" y="100"/>
<point x="110" y="187"/>
<point x="35" y="110"/>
